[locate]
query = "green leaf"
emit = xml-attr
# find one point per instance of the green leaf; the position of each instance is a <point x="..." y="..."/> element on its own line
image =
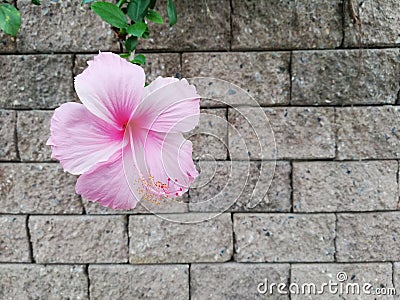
<point x="137" y="9"/>
<point x="152" y="4"/>
<point x="146" y="34"/>
<point x="154" y="16"/>
<point x="10" y="19"/>
<point x="139" y="59"/>
<point x="36" y="2"/>
<point x="131" y="43"/>
<point x="171" y="11"/>
<point x="110" y="13"/>
<point x="86" y="1"/>
<point x="124" y="55"/>
<point x="137" y="29"/>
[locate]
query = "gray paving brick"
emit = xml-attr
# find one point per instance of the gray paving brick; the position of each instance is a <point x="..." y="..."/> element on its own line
<point x="345" y="77"/>
<point x="210" y="137"/>
<point x="31" y="281"/>
<point x="157" y="240"/>
<point x="283" y="237"/>
<point x="298" y="132"/>
<point x="139" y="282"/>
<point x="8" y="147"/>
<point x="14" y="245"/>
<point x="38" y="189"/>
<point x="35" y="81"/>
<point x="187" y="33"/>
<point x="368" y="132"/>
<point x="235" y="281"/>
<point x="286" y="24"/>
<point x="379" y="23"/>
<point x="62" y="26"/>
<point x="79" y="239"/>
<point x="230" y="185"/>
<point x="345" y="186"/>
<point x="264" y="75"/>
<point x="368" y="237"/>
<point x="33" y="131"/>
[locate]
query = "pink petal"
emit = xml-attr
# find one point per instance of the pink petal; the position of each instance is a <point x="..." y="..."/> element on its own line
<point x="110" y="184"/>
<point x="165" y="163"/>
<point x="169" y="105"/>
<point x="111" y="87"/>
<point x="79" y="139"/>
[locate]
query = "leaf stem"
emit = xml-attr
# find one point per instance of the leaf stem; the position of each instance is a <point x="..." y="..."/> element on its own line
<point x="120" y="2"/>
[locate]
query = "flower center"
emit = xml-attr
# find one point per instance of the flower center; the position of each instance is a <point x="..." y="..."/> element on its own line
<point x="157" y="191"/>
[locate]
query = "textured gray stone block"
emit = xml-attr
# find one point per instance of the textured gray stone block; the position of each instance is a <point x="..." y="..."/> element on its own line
<point x="283" y="237"/>
<point x="235" y="281"/>
<point x="63" y="26"/>
<point x="35" y="81"/>
<point x="157" y="240"/>
<point x="210" y="137"/>
<point x="345" y="77"/>
<point x="264" y="75"/>
<point x="368" y="132"/>
<point x="33" y="131"/>
<point x="345" y="186"/>
<point x="38" y="188"/>
<point x="352" y="277"/>
<point x="139" y="282"/>
<point x="225" y="185"/>
<point x="79" y="239"/>
<point x="187" y="33"/>
<point x="380" y="21"/>
<point x="297" y="132"/>
<point x="368" y="237"/>
<point x="286" y="24"/>
<point x="14" y="245"/>
<point x="31" y="281"/>
<point x="8" y="147"/>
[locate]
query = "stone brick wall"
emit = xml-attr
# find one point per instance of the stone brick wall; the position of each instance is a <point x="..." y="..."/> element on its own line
<point x="333" y="202"/>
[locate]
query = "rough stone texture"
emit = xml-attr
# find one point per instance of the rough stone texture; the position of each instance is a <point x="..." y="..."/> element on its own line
<point x="213" y="33"/>
<point x="139" y="282"/>
<point x="281" y="237"/>
<point x="33" y="131"/>
<point x="30" y="281"/>
<point x="345" y="186"/>
<point x="7" y="43"/>
<point x="380" y="21"/>
<point x="235" y="281"/>
<point x="157" y="64"/>
<point x="264" y="75"/>
<point x="222" y="185"/>
<point x="14" y="245"/>
<point x="35" y="81"/>
<point x="62" y="26"/>
<point x="345" y="77"/>
<point x="297" y="132"/>
<point x="178" y="205"/>
<point x="368" y="237"/>
<point x="8" y="148"/>
<point x="353" y="276"/>
<point x="368" y="132"/>
<point x="286" y="24"/>
<point x="37" y="188"/>
<point x="154" y="239"/>
<point x="210" y="137"/>
<point x="79" y="239"/>
<point x="396" y="277"/>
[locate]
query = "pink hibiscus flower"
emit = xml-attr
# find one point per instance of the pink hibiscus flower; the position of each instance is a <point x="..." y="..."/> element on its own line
<point x="126" y="140"/>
